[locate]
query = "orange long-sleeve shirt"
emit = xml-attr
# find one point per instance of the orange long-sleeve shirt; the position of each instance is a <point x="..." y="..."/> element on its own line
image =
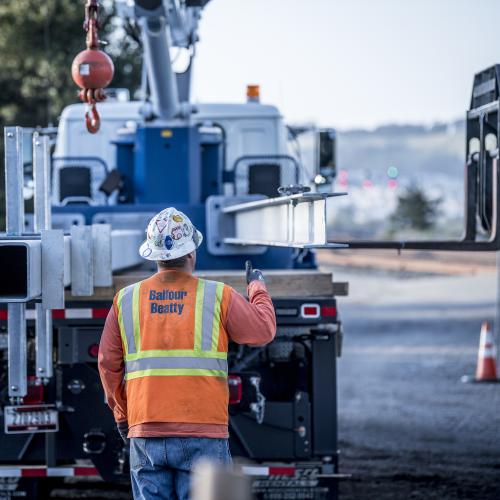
<point x="250" y="322"/>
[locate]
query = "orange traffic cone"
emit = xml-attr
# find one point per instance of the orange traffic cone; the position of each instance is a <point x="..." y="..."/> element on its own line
<point x="487" y="356"/>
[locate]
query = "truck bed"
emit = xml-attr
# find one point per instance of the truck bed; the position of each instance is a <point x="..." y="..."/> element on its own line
<point x="280" y="283"/>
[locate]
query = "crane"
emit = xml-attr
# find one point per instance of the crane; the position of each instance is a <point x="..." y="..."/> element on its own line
<point x="162" y="25"/>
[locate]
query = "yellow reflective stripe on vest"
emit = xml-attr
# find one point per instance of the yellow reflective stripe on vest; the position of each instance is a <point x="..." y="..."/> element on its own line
<point x="128" y="318"/>
<point x="207" y="315"/>
<point x="135" y="315"/>
<point x="216" y="317"/>
<point x="198" y="314"/>
<point x="212" y="298"/>
<point x="173" y="353"/>
<point x="176" y="372"/>
<point x="170" y="362"/>
<point x="120" y="320"/>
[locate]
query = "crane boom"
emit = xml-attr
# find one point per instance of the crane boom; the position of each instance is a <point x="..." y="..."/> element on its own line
<point x="164" y="24"/>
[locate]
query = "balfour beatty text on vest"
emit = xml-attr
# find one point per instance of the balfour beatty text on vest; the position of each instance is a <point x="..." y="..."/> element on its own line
<point x="170" y="307"/>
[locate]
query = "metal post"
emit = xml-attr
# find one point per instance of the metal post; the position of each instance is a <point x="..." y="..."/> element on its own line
<point x="16" y="324"/>
<point x="14" y="204"/>
<point x="14" y="181"/>
<point x="41" y="176"/>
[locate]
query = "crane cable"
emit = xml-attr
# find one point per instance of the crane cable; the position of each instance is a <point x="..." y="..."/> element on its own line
<point x="91" y="26"/>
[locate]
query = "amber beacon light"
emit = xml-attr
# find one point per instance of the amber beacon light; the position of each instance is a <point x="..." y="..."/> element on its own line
<point x="253" y="93"/>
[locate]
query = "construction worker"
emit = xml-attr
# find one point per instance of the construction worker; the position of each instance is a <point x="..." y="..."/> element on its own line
<point x="163" y="359"/>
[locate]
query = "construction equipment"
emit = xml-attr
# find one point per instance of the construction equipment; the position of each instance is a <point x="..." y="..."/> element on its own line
<point x="222" y="165"/>
<point x="482" y="176"/>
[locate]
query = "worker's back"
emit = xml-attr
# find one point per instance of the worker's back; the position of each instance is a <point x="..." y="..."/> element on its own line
<point x="163" y="358"/>
<point x="175" y="345"/>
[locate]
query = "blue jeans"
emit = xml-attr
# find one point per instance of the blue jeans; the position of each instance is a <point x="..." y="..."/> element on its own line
<point x="160" y="467"/>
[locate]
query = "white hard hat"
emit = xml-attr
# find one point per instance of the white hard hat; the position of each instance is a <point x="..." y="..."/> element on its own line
<point x="170" y="235"/>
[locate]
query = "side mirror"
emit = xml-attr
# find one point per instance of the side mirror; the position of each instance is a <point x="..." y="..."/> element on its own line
<point x="327" y="162"/>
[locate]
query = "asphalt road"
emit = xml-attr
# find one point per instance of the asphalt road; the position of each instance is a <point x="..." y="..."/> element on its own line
<point x="408" y="427"/>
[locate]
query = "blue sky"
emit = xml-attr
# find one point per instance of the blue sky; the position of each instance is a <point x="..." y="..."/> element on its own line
<point x="348" y="63"/>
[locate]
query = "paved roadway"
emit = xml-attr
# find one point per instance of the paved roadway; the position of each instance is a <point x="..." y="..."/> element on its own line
<point x="409" y="429"/>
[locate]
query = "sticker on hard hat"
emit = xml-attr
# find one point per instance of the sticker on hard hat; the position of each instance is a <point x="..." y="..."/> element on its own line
<point x="161" y="224"/>
<point x="177" y="232"/>
<point x="169" y="242"/>
<point x="177" y="218"/>
<point x="157" y="240"/>
<point x="147" y="252"/>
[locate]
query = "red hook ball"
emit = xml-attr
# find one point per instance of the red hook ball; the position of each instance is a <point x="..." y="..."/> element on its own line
<point x="92" y="69"/>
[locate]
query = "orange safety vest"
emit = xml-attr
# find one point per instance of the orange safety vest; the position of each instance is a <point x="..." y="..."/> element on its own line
<point x="175" y="346"/>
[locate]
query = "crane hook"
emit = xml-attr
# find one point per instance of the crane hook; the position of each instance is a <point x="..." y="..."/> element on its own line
<point x="92" y="119"/>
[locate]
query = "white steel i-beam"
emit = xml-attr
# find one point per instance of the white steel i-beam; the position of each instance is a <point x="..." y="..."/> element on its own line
<point x="294" y="221"/>
<point x="16" y="322"/>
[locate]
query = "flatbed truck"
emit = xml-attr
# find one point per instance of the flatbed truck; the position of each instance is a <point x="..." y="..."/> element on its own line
<point x="283" y="396"/>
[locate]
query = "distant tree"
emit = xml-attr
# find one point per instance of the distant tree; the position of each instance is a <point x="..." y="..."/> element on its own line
<point x="38" y="41"/>
<point x="415" y="210"/>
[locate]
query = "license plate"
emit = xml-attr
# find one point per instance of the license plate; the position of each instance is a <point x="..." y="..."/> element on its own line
<point x="30" y="418"/>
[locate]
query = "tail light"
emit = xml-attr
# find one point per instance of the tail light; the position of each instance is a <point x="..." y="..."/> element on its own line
<point x="93" y="350"/>
<point x="235" y="389"/>
<point x="329" y="311"/>
<point x="310" y="311"/>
